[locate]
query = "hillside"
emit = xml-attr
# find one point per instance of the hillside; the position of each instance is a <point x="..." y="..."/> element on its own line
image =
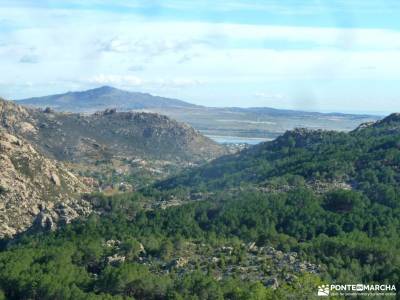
<point x="224" y="124"/>
<point x="334" y="195"/>
<point x="102" y="98"/>
<point x="272" y="222"/>
<point x="108" y="134"/>
<point x="35" y="190"/>
<point x="304" y="155"/>
<point x="33" y="185"/>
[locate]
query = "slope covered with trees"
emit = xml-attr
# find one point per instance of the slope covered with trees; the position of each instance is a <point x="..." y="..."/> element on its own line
<point x="367" y="159"/>
<point x="272" y="222"/>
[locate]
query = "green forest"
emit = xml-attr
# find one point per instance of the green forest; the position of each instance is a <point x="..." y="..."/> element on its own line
<point x="271" y="222"/>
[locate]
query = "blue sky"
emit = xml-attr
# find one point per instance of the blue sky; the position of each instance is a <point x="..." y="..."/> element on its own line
<point x="312" y="55"/>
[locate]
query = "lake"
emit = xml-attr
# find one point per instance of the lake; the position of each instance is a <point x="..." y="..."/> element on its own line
<point x="224" y="139"/>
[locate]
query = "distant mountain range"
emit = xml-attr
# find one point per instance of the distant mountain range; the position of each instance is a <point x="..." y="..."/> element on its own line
<point x="220" y="123"/>
<point x="102" y="98"/>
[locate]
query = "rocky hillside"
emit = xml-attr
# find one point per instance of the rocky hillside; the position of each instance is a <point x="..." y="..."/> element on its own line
<point x="312" y="157"/>
<point x="102" y="98"/>
<point x="34" y="190"/>
<point x="107" y="134"/>
<point x="224" y="124"/>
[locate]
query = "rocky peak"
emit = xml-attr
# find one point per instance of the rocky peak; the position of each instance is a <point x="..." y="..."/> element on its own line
<point x="147" y="135"/>
<point x="11" y="115"/>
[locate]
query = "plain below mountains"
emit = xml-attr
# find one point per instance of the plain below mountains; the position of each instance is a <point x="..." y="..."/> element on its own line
<point x="222" y="124"/>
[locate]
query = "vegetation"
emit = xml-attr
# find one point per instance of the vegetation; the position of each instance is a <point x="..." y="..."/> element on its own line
<point x="227" y="121"/>
<point x="357" y="244"/>
<point x="367" y="159"/>
<point x="330" y="198"/>
<point x="74" y="262"/>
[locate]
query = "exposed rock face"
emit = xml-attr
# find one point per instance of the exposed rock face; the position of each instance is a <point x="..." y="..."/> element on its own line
<point x="35" y="190"/>
<point x="15" y="118"/>
<point x="104" y="135"/>
<point x="55" y="179"/>
<point x="115" y="259"/>
<point x="45" y="221"/>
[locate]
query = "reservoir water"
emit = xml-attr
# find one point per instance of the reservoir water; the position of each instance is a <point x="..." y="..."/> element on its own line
<point x="222" y="139"/>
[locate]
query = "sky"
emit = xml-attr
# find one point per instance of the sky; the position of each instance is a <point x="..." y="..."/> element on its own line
<point x="319" y="55"/>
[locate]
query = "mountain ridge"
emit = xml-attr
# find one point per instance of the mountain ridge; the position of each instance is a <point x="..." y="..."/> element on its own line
<point x="300" y="152"/>
<point x="252" y="122"/>
<point x="101" y="98"/>
<point x="107" y="133"/>
<point x="40" y="101"/>
<point x="43" y="154"/>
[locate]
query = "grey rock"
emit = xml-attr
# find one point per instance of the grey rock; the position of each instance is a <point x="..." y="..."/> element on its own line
<point x="272" y="283"/>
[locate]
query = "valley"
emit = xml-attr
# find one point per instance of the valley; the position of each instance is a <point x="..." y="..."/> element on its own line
<point x="135" y="205"/>
<point x="199" y="150"/>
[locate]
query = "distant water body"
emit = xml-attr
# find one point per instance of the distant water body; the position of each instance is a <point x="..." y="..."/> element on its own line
<point x="223" y="139"/>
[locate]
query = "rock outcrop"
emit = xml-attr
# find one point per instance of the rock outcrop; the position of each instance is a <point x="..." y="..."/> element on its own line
<point x="107" y="134"/>
<point x="34" y="190"/>
<point x="37" y="190"/>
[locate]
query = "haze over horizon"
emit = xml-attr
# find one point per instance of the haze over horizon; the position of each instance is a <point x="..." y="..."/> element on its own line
<point x="314" y="56"/>
<point x="106" y="88"/>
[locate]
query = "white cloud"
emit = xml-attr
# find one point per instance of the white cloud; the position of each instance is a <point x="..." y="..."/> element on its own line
<point x="136" y="68"/>
<point x="208" y="60"/>
<point x="114" y="45"/>
<point x="177" y="82"/>
<point x="274" y="96"/>
<point x="118" y="80"/>
<point x="134" y="81"/>
<point x="29" y="59"/>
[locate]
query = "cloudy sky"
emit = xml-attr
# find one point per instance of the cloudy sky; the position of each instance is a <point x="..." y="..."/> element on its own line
<point x="321" y="55"/>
